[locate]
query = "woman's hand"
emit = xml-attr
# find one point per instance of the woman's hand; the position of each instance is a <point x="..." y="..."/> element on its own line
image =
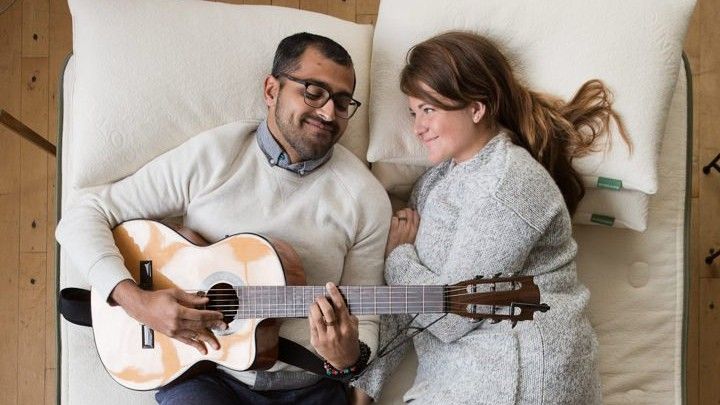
<point x="403" y="228"/>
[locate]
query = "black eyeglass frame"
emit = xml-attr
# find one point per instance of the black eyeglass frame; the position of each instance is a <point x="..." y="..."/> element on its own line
<point x="327" y="95"/>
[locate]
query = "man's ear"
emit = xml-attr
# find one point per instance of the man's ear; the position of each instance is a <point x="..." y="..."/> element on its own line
<point x="271" y="88"/>
<point x="478" y="111"/>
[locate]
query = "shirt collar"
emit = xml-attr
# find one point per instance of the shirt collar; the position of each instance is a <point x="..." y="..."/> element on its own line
<point x="277" y="156"/>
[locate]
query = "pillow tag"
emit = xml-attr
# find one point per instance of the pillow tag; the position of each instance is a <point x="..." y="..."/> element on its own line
<point x="602" y="219"/>
<point x="606" y="182"/>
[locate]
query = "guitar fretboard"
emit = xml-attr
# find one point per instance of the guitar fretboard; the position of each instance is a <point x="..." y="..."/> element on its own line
<point x="293" y="301"/>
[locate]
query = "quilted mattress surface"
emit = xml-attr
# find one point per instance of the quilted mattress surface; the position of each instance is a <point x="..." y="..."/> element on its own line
<point x="636" y="281"/>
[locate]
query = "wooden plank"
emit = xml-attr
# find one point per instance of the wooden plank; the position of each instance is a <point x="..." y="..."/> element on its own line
<point x="60" y="47"/>
<point x="707" y="96"/>
<point x="708" y="129"/>
<point x="709" y="341"/>
<point x="35" y="24"/>
<point x="709" y="78"/>
<point x="691" y="372"/>
<point x="51" y="287"/>
<point x="9" y="295"/>
<point x="368" y="6"/>
<point x="33" y="163"/>
<point x="10" y="95"/>
<point x="33" y="236"/>
<point x="10" y="53"/>
<point x="31" y="333"/>
<point x="260" y="2"/>
<point x="286" y="3"/>
<point x="366" y="19"/>
<point x="344" y="9"/>
<point x="318" y="6"/>
<point x="50" y="386"/>
<point x="709" y="211"/>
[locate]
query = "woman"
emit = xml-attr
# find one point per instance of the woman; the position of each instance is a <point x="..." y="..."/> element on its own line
<point x="498" y="200"/>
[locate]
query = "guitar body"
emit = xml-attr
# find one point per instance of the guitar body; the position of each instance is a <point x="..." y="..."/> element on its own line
<point x="239" y="260"/>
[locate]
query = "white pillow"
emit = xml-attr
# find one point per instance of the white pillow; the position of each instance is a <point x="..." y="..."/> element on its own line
<point x="151" y="74"/>
<point x="634" y="47"/>
<point x="618" y="209"/>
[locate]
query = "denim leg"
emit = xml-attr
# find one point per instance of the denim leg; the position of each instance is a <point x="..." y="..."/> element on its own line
<point x="219" y="388"/>
<point x="325" y="392"/>
<point x="203" y="389"/>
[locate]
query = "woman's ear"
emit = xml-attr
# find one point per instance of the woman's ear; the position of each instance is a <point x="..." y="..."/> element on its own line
<point x="478" y="111"/>
<point x="271" y="87"/>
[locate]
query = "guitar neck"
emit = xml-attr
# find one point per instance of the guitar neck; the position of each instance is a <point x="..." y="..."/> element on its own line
<point x="294" y="301"/>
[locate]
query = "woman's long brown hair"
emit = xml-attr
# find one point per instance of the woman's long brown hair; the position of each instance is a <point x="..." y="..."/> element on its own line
<point x="465" y="68"/>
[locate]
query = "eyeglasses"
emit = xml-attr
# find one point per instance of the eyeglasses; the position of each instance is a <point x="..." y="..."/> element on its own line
<point x="317" y="96"/>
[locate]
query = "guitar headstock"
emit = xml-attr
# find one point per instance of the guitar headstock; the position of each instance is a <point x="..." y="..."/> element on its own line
<point x="497" y="298"/>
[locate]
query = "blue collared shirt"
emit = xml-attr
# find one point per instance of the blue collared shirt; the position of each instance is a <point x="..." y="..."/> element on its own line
<point x="276" y="156"/>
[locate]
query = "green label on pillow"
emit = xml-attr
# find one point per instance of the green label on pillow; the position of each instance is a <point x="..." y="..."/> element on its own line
<point x="602" y="219"/>
<point x="605" y="182"/>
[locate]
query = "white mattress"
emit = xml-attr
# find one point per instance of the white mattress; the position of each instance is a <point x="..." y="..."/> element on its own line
<point x="636" y="281"/>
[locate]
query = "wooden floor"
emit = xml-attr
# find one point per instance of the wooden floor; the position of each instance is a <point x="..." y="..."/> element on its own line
<point x="35" y="36"/>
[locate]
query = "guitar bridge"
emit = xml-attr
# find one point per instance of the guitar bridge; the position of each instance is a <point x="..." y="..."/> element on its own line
<point x="148" y="335"/>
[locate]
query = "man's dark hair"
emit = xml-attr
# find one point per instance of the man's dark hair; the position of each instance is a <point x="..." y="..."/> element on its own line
<point x="290" y="48"/>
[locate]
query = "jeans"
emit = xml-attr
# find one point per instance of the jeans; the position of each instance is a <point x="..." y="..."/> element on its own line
<point x="217" y="387"/>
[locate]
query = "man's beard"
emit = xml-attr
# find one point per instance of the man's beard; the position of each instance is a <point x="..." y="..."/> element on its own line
<point x="305" y="145"/>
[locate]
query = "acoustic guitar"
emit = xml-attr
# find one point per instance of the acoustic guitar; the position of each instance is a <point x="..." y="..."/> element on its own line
<point x="255" y="282"/>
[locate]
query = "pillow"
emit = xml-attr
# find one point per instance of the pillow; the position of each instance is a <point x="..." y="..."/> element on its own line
<point x="557" y="45"/>
<point x="151" y="74"/>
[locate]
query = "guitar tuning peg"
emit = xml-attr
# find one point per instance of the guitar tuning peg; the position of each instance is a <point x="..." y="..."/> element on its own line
<point x="496" y="275"/>
<point x="478" y="277"/>
<point x="514" y="322"/>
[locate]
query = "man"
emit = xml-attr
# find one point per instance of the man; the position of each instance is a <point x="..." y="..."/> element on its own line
<point x="287" y="180"/>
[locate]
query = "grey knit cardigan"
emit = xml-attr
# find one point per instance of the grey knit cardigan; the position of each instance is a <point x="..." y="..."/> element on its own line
<point x="497" y="212"/>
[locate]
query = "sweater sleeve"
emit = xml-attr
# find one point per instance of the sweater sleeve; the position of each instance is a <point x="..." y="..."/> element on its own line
<point x="364" y="260"/>
<point x="161" y="189"/>
<point x="372" y="380"/>
<point x="491" y="239"/>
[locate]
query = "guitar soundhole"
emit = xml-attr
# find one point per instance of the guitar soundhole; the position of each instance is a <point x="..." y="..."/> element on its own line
<point x="223" y="298"/>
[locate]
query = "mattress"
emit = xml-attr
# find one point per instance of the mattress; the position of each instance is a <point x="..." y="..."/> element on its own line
<point x="637" y="282"/>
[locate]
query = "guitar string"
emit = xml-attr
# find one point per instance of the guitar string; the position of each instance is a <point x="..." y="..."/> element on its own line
<point x="268" y="294"/>
<point x="269" y="290"/>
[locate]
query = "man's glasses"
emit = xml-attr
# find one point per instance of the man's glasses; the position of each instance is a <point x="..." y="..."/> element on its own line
<point x="317" y="96"/>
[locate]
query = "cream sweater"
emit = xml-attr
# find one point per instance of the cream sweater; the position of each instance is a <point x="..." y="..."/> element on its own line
<point x="336" y="217"/>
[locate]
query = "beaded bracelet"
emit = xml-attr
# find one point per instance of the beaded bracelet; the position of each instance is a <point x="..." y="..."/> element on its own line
<point x="352" y="371"/>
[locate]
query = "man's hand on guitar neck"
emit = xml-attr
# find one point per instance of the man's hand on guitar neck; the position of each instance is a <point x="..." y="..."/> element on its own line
<point x="172" y="313"/>
<point x="333" y="331"/>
